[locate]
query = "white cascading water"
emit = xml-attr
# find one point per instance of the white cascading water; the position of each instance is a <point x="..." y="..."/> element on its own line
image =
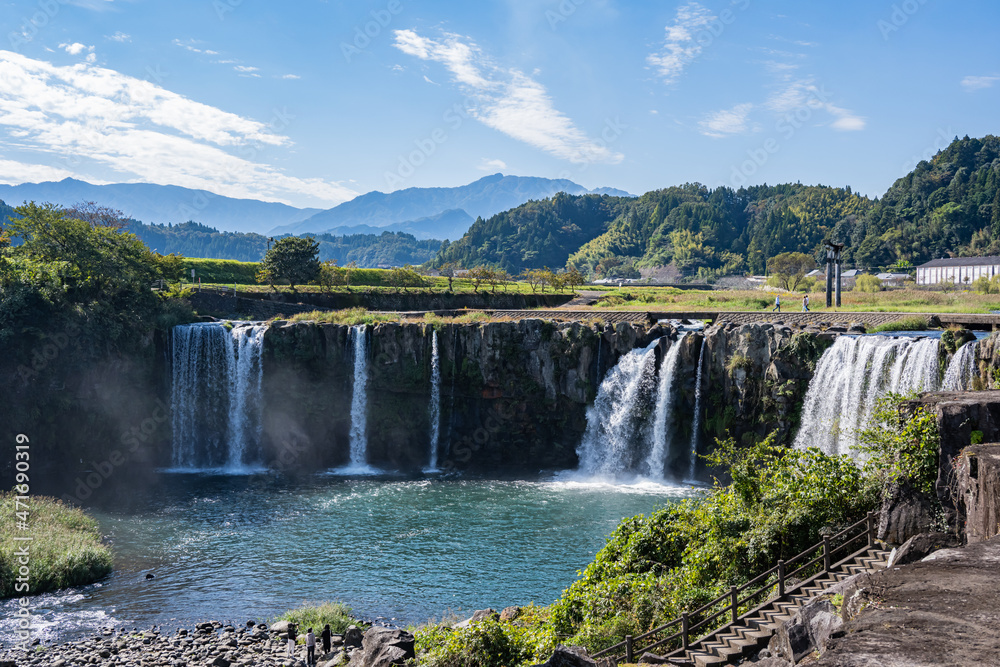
<point x="697" y="413"/>
<point x="849" y="378"/>
<point x="359" y="403"/>
<point x="614" y="423"/>
<point x="434" y="409"/>
<point x="246" y="377"/>
<point x="962" y="368"/>
<point x="663" y="422"/>
<point x="216" y="394"/>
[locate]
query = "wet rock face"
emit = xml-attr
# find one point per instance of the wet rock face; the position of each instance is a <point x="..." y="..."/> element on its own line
<point x="759" y="374"/>
<point x="978" y="470"/>
<point x="513" y="395"/>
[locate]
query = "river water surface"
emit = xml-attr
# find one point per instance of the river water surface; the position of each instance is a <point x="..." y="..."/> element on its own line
<point x="235" y="548"/>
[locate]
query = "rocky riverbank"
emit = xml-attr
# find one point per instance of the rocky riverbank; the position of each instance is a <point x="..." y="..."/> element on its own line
<point x="216" y="645"/>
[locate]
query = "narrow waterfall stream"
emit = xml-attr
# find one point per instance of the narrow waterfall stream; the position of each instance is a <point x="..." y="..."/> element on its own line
<point x="849" y="378"/>
<point x="434" y="408"/>
<point x="358" y="464"/>
<point x="216" y="379"/>
<point x="696" y="426"/>
<point x="663" y="423"/>
<point x="962" y="368"/>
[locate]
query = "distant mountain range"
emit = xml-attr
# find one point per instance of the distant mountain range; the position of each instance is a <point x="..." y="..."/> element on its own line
<point x="423" y="212"/>
<point x="480" y="199"/>
<point x="162" y="204"/>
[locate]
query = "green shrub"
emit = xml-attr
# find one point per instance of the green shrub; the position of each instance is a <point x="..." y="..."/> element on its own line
<point x="488" y="643"/>
<point x="867" y="283"/>
<point x="66" y="547"/>
<point x="221" y="271"/>
<point x="337" y="614"/>
<point x="900" y="449"/>
<point x="982" y="285"/>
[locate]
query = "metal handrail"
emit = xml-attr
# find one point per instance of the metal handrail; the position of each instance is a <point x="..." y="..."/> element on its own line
<point x="734" y="599"/>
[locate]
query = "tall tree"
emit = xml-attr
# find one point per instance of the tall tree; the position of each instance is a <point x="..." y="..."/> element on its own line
<point x="293" y="259"/>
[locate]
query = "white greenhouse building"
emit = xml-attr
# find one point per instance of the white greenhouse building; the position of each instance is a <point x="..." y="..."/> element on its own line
<point x="958" y="270"/>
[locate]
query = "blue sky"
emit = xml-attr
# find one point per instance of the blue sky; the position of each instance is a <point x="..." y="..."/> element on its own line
<point x="311" y="102"/>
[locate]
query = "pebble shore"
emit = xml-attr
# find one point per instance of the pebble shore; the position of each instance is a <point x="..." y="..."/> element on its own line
<point x="209" y="643"/>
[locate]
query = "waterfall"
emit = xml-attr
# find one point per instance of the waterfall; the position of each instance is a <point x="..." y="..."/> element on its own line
<point x="616" y="420"/>
<point x="359" y="403"/>
<point x="434" y="409"/>
<point x="216" y="394"/>
<point x="662" y="424"/>
<point x="849" y="378"/>
<point x="697" y="412"/>
<point x="962" y="368"/>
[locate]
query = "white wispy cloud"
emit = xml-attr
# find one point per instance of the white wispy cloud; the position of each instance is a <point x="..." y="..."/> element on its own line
<point x="14" y="173"/>
<point x="974" y="83"/>
<point x="727" y="121"/>
<point x="142" y="131"/>
<point x="190" y="46"/>
<point x="506" y="99"/>
<point x="290" y="76"/>
<point x="119" y="37"/>
<point x="801" y="95"/>
<point x="491" y="165"/>
<point x="681" y="45"/>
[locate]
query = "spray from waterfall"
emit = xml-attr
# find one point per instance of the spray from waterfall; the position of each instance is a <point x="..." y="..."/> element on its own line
<point x="696" y="426"/>
<point x="962" y="368"/>
<point x="663" y="421"/>
<point x="216" y="381"/>
<point x="434" y="409"/>
<point x="849" y="378"/>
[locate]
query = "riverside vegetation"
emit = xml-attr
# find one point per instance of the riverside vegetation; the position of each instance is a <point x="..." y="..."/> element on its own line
<point x="779" y="502"/>
<point x="66" y="547"/>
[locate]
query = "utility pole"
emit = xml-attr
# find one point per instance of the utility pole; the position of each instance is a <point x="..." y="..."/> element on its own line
<point x="833" y="264"/>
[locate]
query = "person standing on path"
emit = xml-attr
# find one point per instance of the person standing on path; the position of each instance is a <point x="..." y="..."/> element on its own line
<point x="291" y="640"/>
<point x="805" y="303"/>
<point x="310" y="647"/>
<point x="777" y="303"/>
<point x="327" y="637"/>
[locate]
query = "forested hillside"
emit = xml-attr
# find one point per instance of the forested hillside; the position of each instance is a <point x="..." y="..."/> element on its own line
<point x="948" y="206"/>
<point x="702" y="231"/>
<point x="535" y="234"/>
<point x="366" y="250"/>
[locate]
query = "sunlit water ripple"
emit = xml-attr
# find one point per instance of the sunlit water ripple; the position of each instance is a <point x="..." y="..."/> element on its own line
<point x="235" y="548"/>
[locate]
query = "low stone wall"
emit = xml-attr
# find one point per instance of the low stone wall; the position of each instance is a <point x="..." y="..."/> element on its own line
<point x="868" y="319"/>
<point x="219" y="305"/>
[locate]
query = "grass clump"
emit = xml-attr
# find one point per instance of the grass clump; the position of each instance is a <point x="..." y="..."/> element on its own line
<point x="337" y="614"/>
<point x="349" y="316"/>
<point x="66" y="549"/>
<point x="904" y="324"/>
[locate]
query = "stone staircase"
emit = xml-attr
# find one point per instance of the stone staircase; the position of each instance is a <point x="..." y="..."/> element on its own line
<point x="753" y="630"/>
<point x="769" y="600"/>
